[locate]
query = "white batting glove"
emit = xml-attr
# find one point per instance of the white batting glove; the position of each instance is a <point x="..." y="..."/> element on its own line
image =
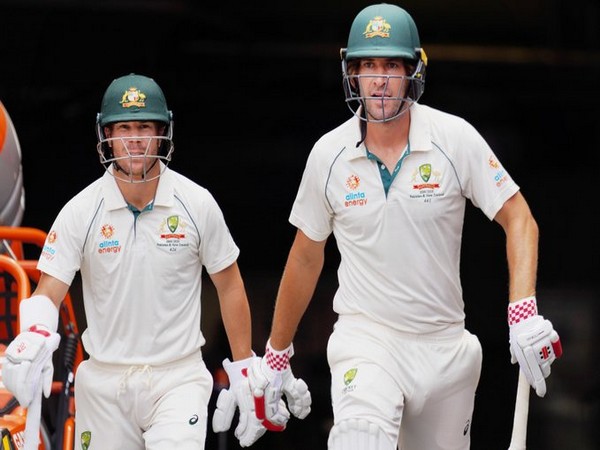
<point x="249" y="428"/>
<point x="270" y="377"/>
<point x="533" y="342"/>
<point x="28" y="367"/>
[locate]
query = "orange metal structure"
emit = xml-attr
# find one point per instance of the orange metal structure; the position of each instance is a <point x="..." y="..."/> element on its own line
<point x="19" y="274"/>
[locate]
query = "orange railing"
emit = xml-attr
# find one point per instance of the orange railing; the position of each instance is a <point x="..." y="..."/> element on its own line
<point x="17" y="238"/>
<point x="16" y="241"/>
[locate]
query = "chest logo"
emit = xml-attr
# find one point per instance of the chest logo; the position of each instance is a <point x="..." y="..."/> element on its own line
<point x="108" y="245"/>
<point x="107" y="231"/>
<point x="425" y="172"/>
<point x="355" y="197"/>
<point x="425" y="182"/>
<point x="175" y="226"/>
<point x="172" y="234"/>
<point x="173" y="223"/>
<point x="430" y="178"/>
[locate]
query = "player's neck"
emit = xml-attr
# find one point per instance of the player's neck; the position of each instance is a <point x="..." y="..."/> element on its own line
<point x="388" y="139"/>
<point x="138" y="194"/>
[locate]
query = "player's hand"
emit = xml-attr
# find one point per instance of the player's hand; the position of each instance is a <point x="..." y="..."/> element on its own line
<point x="27" y="367"/>
<point x="250" y="428"/>
<point x="270" y="377"/>
<point x="534" y="343"/>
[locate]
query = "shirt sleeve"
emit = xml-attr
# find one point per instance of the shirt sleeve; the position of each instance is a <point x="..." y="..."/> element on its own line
<point x="311" y="211"/>
<point x="485" y="181"/>
<point x="217" y="247"/>
<point x="62" y="252"/>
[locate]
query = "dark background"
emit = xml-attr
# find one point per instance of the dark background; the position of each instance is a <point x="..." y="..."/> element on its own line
<point x="253" y="84"/>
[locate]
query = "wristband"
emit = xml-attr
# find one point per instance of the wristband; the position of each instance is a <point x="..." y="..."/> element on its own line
<point x="278" y="360"/>
<point x="38" y="310"/>
<point x="521" y="310"/>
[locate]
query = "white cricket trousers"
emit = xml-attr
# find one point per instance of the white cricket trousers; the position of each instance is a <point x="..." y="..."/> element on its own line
<point x="142" y="407"/>
<point x="419" y="389"/>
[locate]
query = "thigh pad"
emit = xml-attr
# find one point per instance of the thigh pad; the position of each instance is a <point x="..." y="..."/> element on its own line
<point x="358" y="434"/>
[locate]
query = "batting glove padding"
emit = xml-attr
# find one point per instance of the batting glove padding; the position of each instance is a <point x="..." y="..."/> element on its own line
<point x="533" y="342"/>
<point x="271" y="377"/>
<point x="28" y="369"/>
<point x="249" y="428"/>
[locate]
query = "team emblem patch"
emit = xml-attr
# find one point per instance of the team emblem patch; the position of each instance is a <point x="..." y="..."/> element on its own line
<point x="377" y="27"/>
<point x="425" y="182"/>
<point x="349" y="376"/>
<point x="133" y="97"/>
<point x="425" y="172"/>
<point x="86" y="438"/>
<point x="173" y="223"/>
<point x="172" y="233"/>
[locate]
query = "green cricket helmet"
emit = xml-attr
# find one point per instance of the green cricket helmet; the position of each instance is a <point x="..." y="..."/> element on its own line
<point x="134" y="98"/>
<point x="383" y="31"/>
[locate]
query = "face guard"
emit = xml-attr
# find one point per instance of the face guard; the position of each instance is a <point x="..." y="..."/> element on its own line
<point x="383" y="31"/>
<point x="396" y="101"/>
<point x="127" y="99"/>
<point x="146" y="151"/>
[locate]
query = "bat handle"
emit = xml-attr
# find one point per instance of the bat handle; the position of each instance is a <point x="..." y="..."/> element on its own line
<point x="32" y="424"/>
<point x="519" y="432"/>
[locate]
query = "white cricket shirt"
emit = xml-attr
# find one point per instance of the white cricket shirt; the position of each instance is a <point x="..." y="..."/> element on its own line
<point x="141" y="278"/>
<point x="400" y="254"/>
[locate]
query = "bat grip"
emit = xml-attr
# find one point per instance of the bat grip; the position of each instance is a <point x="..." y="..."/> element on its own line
<point x="519" y="433"/>
<point x="32" y="424"/>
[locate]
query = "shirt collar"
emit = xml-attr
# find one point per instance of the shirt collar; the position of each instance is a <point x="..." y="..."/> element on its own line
<point x="114" y="199"/>
<point x="419" y="134"/>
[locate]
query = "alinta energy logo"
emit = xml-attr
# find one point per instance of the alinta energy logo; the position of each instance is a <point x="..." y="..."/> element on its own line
<point x="500" y="175"/>
<point x="355" y="197"/>
<point x="108" y="245"/>
<point x="48" y="250"/>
